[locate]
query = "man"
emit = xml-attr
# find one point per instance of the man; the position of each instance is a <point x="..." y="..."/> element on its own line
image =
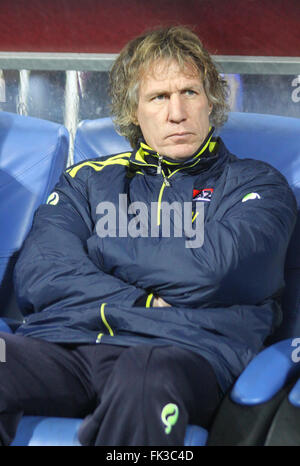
<point x="139" y="331"/>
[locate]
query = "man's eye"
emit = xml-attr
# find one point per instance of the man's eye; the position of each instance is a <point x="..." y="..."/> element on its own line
<point x="189" y="92"/>
<point x="160" y="97"/>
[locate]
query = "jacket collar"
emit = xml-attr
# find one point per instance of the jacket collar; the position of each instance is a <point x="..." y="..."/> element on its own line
<point x="145" y="157"/>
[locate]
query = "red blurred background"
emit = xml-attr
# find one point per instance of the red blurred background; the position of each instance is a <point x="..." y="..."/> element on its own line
<point x="227" y="27"/>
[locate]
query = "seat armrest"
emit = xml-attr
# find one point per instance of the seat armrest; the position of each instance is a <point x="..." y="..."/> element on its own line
<point x="9" y="325"/>
<point x="195" y="436"/>
<point x="266" y="374"/>
<point x="4" y="327"/>
<point x="47" y="431"/>
<point x="294" y="396"/>
<point x="53" y="431"/>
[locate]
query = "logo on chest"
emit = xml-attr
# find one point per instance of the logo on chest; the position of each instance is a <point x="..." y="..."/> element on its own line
<point x="203" y="195"/>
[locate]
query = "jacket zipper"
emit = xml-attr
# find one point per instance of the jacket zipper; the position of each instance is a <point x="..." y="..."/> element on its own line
<point x="165" y="183"/>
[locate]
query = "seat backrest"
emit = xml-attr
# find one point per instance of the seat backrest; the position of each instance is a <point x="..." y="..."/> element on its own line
<point x="276" y="140"/>
<point x="97" y="138"/>
<point x="269" y="138"/>
<point x="33" y="154"/>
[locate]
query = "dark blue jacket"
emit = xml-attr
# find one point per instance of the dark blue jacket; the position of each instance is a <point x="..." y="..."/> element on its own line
<point x="75" y="286"/>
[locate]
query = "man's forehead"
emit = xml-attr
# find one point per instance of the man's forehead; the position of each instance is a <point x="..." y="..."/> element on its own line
<point x="160" y="71"/>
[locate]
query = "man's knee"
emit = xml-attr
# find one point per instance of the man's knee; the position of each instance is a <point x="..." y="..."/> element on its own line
<point x="140" y="367"/>
<point x="149" y="368"/>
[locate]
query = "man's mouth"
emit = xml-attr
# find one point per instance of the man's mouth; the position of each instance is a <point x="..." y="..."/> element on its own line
<point x="179" y="135"/>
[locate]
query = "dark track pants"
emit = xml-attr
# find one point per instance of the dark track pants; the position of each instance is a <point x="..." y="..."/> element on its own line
<point x="143" y="395"/>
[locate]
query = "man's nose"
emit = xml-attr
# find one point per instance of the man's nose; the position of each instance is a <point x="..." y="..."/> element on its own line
<point x="176" y="109"/>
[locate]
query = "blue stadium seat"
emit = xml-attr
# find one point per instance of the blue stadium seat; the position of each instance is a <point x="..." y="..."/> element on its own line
<point x="270" y="377"/>
<point x="33" y="153"/>
<point x="97" y="138"/>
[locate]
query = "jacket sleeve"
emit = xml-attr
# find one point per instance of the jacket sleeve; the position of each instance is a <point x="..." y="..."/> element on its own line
<point x="54" y="268"/>
<point x="241" y="260"/>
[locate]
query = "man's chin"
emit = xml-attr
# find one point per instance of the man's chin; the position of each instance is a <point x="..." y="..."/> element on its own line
<point x="180" y="152"/>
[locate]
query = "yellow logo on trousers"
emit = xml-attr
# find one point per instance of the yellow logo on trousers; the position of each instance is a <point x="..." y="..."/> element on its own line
<point x="169" y="416"/>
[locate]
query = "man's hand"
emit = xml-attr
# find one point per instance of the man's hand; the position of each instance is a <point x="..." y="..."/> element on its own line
<point x="159" y="302"/>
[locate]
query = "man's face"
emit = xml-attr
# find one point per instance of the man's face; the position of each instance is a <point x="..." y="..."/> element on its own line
<point x="173" y="110"/>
